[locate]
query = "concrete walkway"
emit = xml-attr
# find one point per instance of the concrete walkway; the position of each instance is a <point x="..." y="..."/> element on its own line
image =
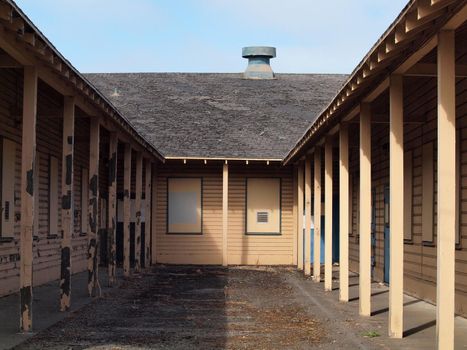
<point x="419" y="316"/>
<point x="46" y="307"/>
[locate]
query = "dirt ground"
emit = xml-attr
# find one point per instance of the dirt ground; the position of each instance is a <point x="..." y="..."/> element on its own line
<point x="198" y="308"/>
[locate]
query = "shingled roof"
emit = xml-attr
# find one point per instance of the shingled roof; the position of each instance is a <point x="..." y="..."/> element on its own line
<point x="205" y="115"/>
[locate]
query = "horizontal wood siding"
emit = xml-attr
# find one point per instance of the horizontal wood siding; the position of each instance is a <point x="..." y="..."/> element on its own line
<point x="46" y="248"/>
<point x="207" y="248"/>
<point x="191" y="249"/>
<point x="259" y="249"/>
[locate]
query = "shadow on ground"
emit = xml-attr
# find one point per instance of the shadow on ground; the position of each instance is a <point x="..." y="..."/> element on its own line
<point x="190" y="307"/>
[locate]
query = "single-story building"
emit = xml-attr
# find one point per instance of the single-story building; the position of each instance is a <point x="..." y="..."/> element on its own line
<point x="126" y="170"/>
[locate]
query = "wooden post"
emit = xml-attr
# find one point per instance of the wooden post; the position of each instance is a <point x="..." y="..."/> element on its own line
<point x="396" y="216"/>
<point x="126" y="210"/>
<point x="328" y="214"/>
<point x="147" y="214"/>
<point x="28" y="153"/>
<point x="445" y="288"/>
<point x="317" y="218"/>
<point x="67" y="200"/>
<point x="365" y="210"/>
<point x="225" y="212"/>
<point x="344" y="214"/>
<point x="307" y="267"/>
<point x="93" y="205"/>
<point x="112" y="212"/>
<point x="138" y="193"/>
<point x="300" y="216"/>
<point x="295" y="215"/>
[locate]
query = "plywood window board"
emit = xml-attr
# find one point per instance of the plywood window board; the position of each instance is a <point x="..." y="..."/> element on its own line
<point x="263" y="206"/>
<point x="184" y="205"/>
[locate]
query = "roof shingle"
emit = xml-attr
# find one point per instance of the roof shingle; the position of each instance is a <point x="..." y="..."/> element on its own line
<point x="208" y="115"/>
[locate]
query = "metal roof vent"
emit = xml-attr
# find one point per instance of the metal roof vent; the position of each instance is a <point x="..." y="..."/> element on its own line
<point x="258" y="62"/>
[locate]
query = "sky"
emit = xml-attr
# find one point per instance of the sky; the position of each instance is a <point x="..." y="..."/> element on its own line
<point x="311" y="36"/>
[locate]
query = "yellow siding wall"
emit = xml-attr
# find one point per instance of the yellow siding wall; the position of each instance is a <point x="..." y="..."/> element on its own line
<point x="207" y="248"/>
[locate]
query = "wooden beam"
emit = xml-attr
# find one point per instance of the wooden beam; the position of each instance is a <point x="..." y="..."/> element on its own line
<point x="416" y="56"/>
<point x="93" y="206"/>
<point x="225" y="212"/>
<point x="126" y="210"/>
<point x="445" y="291"/>
<point x="138" y="194"/>
<point x="28" y="152"/>
<point x="68" y="141"/>
<point x="328" y="214"/>
<point x="112" y="208"/>
<point x="317" y="217"/>
<point x="396" y="216"/>
<point x="344" y="213"/>
<point x="147" y="214"/>
<point x="365" y="210"/>
<point x="307" y="262"/>
<point x="431" y="70"/>
<point x="300" y="195"/>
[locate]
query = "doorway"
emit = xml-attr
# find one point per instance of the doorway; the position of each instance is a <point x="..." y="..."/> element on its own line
<point x="386" y="235"/>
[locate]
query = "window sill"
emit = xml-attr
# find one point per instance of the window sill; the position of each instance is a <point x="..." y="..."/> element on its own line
<point x="263" y="234"/>
<point x="428" y="244"/>
<point x="6" y="239"/>
<point x="408" y="241"/>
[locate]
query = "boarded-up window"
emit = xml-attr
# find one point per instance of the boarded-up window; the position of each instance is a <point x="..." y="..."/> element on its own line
<point x="408" y="193"/>
<point x="8" y="188"/>
<point x="428" y="192"/>
<point x="184" y="206"/>
<point x="53" y="196"/>
<point x="84" y="199"/>
<point x="263" y="206"/>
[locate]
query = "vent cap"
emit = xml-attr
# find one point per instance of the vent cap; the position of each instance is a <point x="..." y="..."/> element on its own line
<point x="259" y="62"/>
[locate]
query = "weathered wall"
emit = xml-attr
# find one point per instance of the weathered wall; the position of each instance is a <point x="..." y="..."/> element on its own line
<point x="46" y="248"/>
<point x="207" y="248"/>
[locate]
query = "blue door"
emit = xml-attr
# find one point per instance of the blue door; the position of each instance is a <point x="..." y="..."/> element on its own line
<point x="322" y="242"/>
<point x="386" y="235"/>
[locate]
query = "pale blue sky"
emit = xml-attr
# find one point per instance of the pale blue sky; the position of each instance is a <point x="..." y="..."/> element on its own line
<point x="311" y="36"/>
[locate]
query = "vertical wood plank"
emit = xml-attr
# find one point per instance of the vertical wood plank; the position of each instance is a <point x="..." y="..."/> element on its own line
<point x="445" y="292"/>
<point x="112" y="208"/>
<point x="307" y="267"/>
<point x="138" y="193"/>
<point x="147" y="214"/>
<point x="126" y="210"/>
<point x="328" y="214"/>
<point x="93" y="205"/>
<point x="396" y="216"/>
<point x="225" y="212"/>
<point x="344" y="213"/>
<point x="28" y="152"/>
<point x="365" y="210"/>
<point x="67" y="200"/>
<point x="317" y="217"/>
<point x="300" y="184"/>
